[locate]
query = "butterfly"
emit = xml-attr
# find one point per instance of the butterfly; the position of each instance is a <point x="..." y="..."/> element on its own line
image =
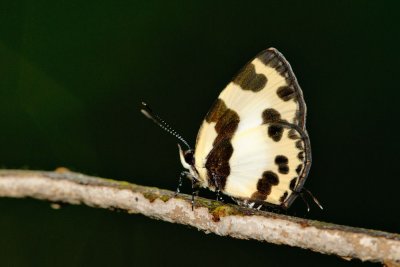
<point x="252" y="145"/>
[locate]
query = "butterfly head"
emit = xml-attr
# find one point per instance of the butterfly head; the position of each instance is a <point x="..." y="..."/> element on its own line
<point x="187" y="160"/>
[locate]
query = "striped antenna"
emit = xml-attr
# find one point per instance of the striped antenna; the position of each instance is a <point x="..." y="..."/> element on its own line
<point x="148" y="112"/>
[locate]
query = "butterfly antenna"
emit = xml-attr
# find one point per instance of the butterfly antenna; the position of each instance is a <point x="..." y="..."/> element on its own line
<point x="313" y="198"/>
<point x="148" y="112"/>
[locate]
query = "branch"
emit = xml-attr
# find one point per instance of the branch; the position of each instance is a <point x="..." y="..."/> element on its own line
<point x="209" y="216"/>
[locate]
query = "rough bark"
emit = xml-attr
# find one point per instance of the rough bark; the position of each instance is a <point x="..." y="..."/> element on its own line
<point x="208" y="215"/>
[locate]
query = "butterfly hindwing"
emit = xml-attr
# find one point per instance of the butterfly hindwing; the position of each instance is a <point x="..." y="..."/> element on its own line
<point x="249" y="145"/>
<point x="264" y="169"/>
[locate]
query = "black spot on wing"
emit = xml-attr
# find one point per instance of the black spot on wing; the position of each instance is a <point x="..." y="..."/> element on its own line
<point x="293" y="183"/>
<point x="284" y="169"/>
<point x="281" y="160"/>
<point x="282" y="163"/>
<point x="286" y="93"/>
<point x="299" y="168"/>
<point x="248" y="79"/>
<point x="264" y="185"/>
<point x="271" y="115"/>
<point x="275" y="132"/>
<point x="293" y="134"/>
<point x="299" y="145"/>
<point x="271" y="177"/>
<point x="283" y="197"/>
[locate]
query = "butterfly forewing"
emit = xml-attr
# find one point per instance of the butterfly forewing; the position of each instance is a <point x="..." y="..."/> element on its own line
<point x="253" y="144"/>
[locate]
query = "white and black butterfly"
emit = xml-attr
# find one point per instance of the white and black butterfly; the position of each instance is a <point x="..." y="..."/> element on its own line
<point x="252" y="145"/>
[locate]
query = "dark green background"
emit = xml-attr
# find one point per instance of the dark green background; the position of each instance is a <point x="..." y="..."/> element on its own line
<point x="72" y="76"/>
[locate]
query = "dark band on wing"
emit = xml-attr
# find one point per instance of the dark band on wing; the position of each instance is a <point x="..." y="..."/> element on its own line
<point x="216" y="111"/>
<point x="217" y="163"/>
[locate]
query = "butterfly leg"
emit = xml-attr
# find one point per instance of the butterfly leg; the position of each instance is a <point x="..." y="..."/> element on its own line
<point x="195" y="189"/>
<point x="217" y="193"/>
<point x="312" y="196"/>
<point x="216" y="180"/>
<point x="183" y="174"/>
<point x="301" y="194"/>
<point x="219" y="197"/>
<point x="305" y="201"/>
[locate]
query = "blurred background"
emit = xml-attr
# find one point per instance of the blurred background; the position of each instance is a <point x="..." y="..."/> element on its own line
<point x="73" y="74"/>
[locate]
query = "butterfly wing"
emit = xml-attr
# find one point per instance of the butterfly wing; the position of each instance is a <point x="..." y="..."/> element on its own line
<point x="253" y="144"/>
<point x="269" y="170"/>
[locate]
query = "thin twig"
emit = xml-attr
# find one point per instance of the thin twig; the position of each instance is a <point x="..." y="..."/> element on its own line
<point x="208" y="215"/>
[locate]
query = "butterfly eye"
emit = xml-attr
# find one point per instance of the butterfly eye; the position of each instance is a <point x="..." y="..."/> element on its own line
<point x="189" y="157"/>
